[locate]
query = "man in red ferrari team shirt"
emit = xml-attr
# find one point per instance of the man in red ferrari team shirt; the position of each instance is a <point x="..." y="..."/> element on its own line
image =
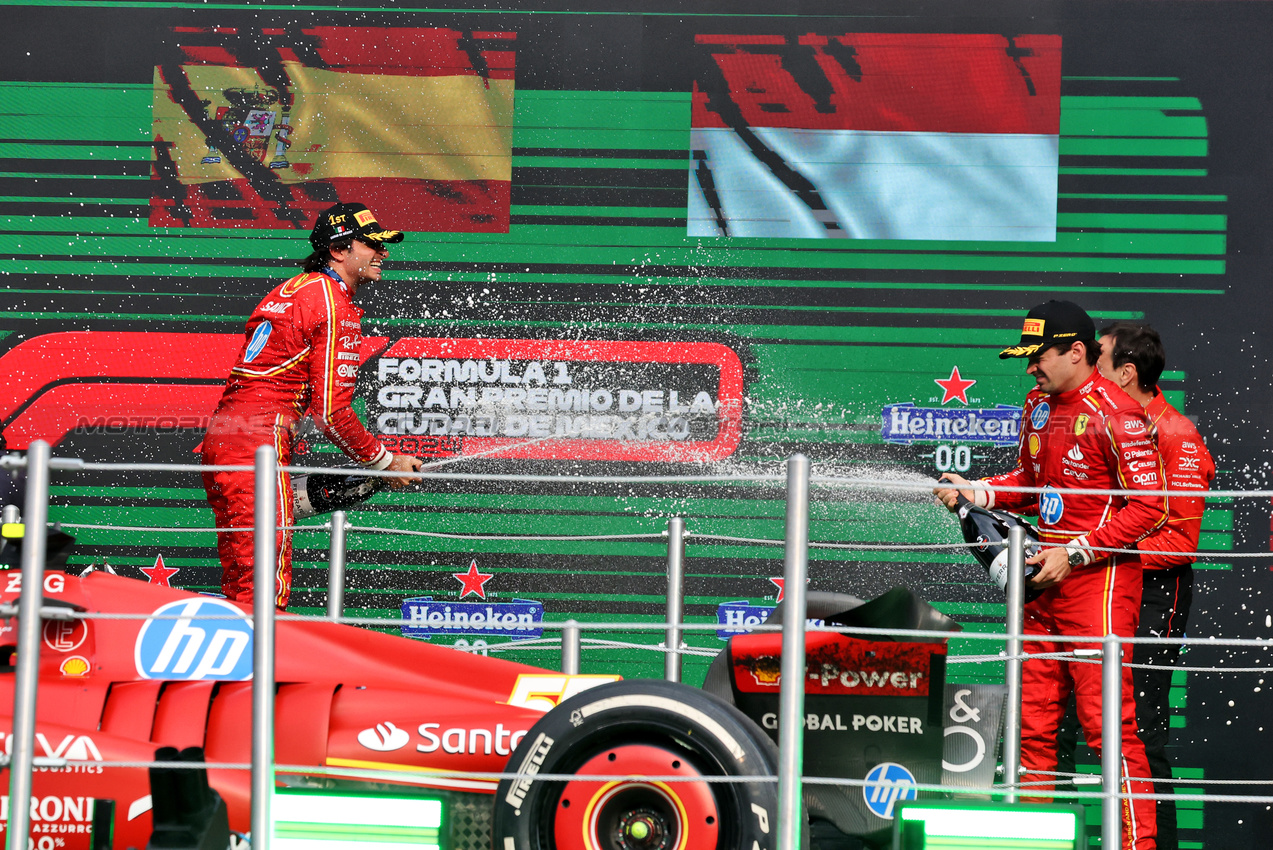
<point x="300" y="355"/>
<point x="1078" y="431"/>
<point x="1132" y="357"/>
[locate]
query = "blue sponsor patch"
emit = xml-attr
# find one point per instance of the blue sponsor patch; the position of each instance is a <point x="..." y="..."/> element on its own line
<point x="1051" y="507"/>
<point x="739" y="618"/>
<point x="520" y="619"/>
<point x="190" y="648"/>
<point x="906" y="424"/>
<point x="895" y="783"/>
<point x="259" y="338"/>
<point x="1039" y="416"/>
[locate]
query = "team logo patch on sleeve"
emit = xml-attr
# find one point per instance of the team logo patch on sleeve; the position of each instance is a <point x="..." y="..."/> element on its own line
<point x="259" y="338"/>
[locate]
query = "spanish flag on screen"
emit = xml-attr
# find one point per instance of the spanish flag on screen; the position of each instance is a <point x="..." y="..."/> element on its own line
<point x="265" y="128"/>
<point x="876" y="136"/>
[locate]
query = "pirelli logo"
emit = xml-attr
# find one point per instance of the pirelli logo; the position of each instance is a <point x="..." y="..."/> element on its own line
<point x="364" y="217"/>
<point x="1032" y="327"/>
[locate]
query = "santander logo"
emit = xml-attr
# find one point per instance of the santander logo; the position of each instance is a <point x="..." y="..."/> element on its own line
<point x="384" y="738"/>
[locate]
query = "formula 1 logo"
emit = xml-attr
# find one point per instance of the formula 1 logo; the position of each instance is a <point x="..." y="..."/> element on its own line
<point x="892" y="782"/>
<point x="188" y="648"/>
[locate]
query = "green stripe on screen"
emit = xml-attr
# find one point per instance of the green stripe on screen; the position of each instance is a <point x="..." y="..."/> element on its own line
<point x="608" y="244"/>
<point x="599" y="162"/>
<point x="249" y="243"/>
<point x="616" y="280"/>
<point x="1132" y="147"/>
<point x="83" y="152"/>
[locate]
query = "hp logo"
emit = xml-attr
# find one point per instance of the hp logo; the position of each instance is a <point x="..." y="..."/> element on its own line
<point x="1051" y="506"/>
<point x="1040" y="415"/>
<point x="894" y="783"/>
<point x="191" y="649"/>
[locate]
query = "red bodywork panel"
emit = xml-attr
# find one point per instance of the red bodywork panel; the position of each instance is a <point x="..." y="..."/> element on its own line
<point x="348" y="700"/>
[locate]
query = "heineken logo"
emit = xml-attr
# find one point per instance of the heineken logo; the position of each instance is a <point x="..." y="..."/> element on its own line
<point x="906" y="423"/>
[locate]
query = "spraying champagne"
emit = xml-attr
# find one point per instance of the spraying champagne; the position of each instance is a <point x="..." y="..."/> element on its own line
<point x="324" y="492"/>
<point x="986" y="533"/>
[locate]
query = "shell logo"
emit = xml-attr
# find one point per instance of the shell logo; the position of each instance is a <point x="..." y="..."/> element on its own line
<point x="75" y="667"/>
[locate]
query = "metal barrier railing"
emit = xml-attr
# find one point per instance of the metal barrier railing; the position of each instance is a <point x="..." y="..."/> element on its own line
<point x="794" y="627"/>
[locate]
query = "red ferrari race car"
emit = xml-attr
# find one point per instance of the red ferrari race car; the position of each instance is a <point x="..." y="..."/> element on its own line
<point x="364" y="711"/>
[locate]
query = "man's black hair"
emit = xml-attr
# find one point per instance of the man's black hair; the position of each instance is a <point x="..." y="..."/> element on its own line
<point x="319" y="260"/>
<point x="1091" y="348"/>
<point x="1140" y="346"/>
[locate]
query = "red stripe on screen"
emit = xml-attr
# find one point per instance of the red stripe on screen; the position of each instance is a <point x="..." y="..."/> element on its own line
<point x="943" y="83"/>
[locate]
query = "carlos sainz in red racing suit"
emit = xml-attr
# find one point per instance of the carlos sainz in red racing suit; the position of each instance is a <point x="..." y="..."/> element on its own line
<point x="1079" y="431"/>
<point x="300" y="354"/>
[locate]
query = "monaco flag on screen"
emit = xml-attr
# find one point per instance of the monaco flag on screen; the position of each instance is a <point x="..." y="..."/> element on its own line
<point x="267" y="127"/>
<point x="876" y="136"/>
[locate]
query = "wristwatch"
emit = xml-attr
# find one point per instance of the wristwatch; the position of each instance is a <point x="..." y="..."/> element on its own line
<point x="1076" y="558"/>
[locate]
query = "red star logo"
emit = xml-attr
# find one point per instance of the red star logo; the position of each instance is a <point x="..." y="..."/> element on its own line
<point x="473" y="581"/>
<point x="954" y="386"/>
<point x="781" y="584"/>
<point x="159" y="574"/>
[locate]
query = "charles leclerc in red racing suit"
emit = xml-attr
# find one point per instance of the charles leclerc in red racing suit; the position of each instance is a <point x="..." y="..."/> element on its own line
<point x="1092" y="437"/>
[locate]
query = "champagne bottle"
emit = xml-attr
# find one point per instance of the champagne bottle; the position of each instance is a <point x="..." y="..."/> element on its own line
<point x="324" y="492"/>
<point x="986" y="533"/>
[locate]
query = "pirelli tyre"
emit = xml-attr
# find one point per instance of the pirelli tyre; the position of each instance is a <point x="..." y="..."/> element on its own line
<point x="607" y="739"/>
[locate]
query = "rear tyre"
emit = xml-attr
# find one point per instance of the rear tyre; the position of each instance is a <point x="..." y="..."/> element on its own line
<point x="632" y="749"/>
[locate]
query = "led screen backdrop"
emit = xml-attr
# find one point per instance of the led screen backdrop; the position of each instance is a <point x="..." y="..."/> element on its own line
<point x="612" y="271"/>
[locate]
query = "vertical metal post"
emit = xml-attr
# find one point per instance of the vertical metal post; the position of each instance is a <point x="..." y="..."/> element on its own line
<point x="336" y="566"/>
<point x="28" y="671"/>
<point x="570" y="649"/>
<point x="1111" y="740"/>
<point x="264" y="566"/>
<point x="791" y="696"/>
<point x="1015" y="646"/>
<point x="675" y="597"/>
